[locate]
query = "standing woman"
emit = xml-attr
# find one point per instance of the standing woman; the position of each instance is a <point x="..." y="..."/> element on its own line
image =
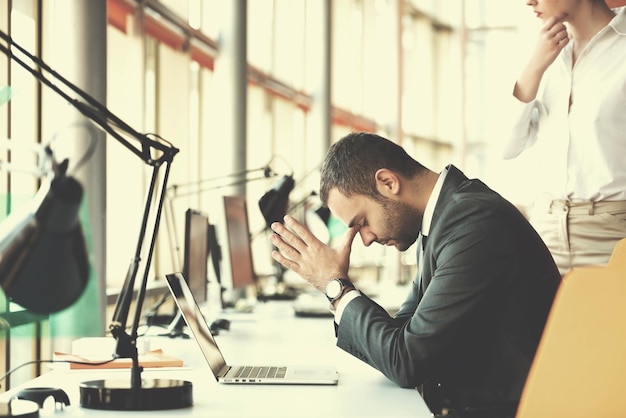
<point x="571" y="99"/>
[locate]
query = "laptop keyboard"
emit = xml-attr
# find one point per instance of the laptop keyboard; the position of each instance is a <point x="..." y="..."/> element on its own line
<point x="247" y="372"/>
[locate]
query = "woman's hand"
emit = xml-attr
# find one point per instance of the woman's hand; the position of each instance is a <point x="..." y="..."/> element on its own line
<point x="553" y="37"/>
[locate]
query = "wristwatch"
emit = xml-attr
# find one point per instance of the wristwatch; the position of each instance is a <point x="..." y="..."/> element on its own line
<point x="336" y="287"/>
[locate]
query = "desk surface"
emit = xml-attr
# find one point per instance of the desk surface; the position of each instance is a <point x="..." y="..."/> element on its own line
<point x="272" y="334"/>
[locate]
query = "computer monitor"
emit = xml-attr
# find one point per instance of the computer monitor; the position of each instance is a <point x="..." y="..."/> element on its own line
<point x="200" y="243"/>
<point x="239" y="248"/>
<point x="195" y="264"/>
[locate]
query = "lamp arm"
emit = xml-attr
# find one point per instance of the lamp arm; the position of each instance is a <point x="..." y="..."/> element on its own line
<point x="126" y="346"/>
<point x="101" y="116"/>
<point x="174" y="189"/>
<point x="125" y="298"/>
<point x="91" y="108"/>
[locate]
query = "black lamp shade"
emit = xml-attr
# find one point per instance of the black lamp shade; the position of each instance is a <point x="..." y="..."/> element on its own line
<point x="275" y="202"/>
<point x="44" y="264"/>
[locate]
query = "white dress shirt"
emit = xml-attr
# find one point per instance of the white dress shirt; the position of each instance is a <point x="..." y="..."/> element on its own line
<point x="581" y="148"/>
<point x="426" y="220"/>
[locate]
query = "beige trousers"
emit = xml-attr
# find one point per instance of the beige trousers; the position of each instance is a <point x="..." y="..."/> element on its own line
<point x="579" y="234"/>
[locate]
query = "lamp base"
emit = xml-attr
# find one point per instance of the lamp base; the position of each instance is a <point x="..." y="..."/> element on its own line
<point x="154" y="394"/>
<point x="19" y="408"/>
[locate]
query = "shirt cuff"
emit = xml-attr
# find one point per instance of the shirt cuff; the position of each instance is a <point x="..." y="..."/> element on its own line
<point x="343" y="302"/>
<point x="520" y="129"/>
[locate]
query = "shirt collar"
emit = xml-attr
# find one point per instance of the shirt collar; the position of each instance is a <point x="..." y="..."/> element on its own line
<point x="618" y="23"/>
<point x="432" y="202"/>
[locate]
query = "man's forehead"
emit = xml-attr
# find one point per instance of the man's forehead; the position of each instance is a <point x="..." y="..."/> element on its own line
<point x="346" y="209"/>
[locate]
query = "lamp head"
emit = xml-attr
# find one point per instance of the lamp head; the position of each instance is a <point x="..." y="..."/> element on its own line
<point x="324" y="214"/>
<point x="44" y="264"/>
<point x="275" y="202"/>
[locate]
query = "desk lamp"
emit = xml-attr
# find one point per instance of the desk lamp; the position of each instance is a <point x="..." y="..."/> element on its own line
<point x="44" y="265"/>
<point x="136" y="393"/>
<point x="274" y="203"/>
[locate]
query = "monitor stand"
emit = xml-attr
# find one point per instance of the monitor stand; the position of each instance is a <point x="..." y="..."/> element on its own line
<point x="273" y="287"/>
<point x="280" y="292"/>
<point x="176" y="328"/>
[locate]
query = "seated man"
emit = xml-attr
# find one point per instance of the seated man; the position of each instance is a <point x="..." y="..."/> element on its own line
<point x="469" y="328"/>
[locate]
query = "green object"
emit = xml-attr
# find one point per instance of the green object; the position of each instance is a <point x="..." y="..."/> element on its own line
<point x="335" y="227"/>
<point x="5" y="94"/>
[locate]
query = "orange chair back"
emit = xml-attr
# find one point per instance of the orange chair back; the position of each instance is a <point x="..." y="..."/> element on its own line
<point x="618" y="257"/>
<point x="580" y="366"/>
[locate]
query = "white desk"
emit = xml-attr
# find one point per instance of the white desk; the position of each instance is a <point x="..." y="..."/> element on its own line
<point x="272" y="334"/>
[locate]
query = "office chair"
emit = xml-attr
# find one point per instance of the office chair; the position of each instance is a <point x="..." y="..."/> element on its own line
<point x="580" y="366"/>
<point x="618" y="257"/>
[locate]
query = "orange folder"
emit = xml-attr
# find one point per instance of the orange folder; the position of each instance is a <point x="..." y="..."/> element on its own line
<point x="149" y="359"/>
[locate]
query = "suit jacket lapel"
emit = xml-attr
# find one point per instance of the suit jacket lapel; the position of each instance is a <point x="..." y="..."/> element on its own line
<point x="420" y="264"/>
<point x="424" y="258"/>
<point x="452" y="182"/>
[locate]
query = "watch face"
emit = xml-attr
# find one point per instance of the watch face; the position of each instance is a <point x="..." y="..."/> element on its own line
<point x="333" y="289"/>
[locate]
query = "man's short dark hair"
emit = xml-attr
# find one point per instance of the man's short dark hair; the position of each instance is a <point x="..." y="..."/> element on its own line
<point x="351" y="164"/>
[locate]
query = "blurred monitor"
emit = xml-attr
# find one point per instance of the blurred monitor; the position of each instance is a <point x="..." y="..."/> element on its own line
<point x="195" y="264"/>
<point x="239" y="247"/>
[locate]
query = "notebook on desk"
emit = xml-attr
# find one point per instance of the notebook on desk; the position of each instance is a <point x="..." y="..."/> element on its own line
<point x="246" y="374"/>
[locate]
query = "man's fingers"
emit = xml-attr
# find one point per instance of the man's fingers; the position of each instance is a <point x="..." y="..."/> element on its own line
<point x="287" y="263"/>
<point x="285" y="253"/>
<point x="349" y="237"/>
<point x="300" y="251"/>
<point x="283" y="245"/>
<point x="300" y="230"/>
<point x="286" y="236"/>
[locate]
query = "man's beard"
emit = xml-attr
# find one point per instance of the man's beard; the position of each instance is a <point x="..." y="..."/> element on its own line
<point x="402" y="224"/>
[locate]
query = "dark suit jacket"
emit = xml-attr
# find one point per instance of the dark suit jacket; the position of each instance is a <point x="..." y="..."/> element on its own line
<point x="472" y="322"/>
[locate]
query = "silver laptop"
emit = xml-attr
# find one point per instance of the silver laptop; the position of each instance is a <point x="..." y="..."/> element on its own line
<point x="224" y="373"/>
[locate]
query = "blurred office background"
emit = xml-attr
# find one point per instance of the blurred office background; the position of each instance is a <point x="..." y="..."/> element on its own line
<point x="242" y="85"/>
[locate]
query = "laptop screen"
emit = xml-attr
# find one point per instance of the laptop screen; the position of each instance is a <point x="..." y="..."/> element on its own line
<point x="196" y="322"/>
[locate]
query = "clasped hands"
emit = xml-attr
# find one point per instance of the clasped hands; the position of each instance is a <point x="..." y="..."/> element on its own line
<point x="299" y="250"/>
